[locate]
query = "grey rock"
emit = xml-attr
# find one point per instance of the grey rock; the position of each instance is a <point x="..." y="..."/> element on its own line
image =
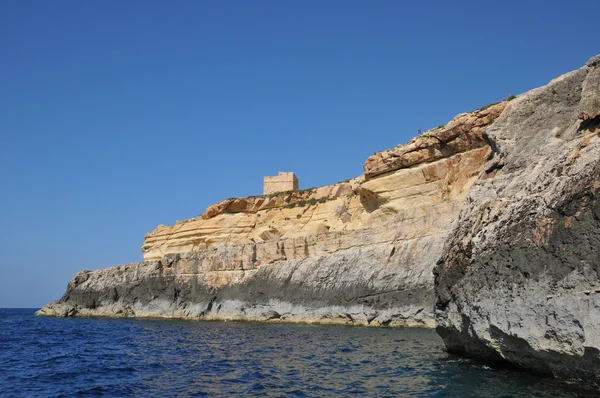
<point x="517" y="282"/>
<point x="369" y="286"/>
<point x="590" y="101"/>
<point x="594" y="61"/>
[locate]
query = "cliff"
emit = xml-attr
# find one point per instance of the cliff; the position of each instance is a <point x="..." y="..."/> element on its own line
<point x="357" y="252"/>
<point x="519" y="279"/>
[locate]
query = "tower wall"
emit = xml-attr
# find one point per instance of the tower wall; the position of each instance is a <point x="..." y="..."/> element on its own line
<point x="280" y="183"/>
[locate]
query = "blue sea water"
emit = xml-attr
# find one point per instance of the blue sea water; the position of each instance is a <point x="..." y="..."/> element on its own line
<point x="128" y="357"/>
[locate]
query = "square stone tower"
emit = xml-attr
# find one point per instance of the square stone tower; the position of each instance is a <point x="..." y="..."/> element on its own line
<point x="279" y="183"/>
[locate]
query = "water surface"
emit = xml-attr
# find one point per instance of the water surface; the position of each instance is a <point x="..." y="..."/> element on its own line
<point x="116" y="357"/>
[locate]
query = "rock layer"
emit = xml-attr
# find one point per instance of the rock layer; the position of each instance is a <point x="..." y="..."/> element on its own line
<point x="519" y="279"/>
<point x="461" y="134"/>
<point x="293" y="280"/>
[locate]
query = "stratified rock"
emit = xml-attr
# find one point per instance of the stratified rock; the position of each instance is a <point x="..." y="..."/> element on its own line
<point x="258" y="218"/>
<point x="461" y="134"/>
<point x="368" y="280"/>
<point x="519" y="281"/>
<point x="254" y="204"/>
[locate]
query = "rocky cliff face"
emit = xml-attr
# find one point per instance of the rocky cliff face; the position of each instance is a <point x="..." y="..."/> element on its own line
<point x="358" y="252"/>
<point x="519" y="278"/>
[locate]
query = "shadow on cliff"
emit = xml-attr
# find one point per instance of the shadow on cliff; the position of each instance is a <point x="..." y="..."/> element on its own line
<point x="549" y="362"/>
<point x="518" y="355"/>
<point x="589" y="125"/>
<point x="371" y="201"/>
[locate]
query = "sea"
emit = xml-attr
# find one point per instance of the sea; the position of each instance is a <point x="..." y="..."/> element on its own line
<point x="63" y="357"/>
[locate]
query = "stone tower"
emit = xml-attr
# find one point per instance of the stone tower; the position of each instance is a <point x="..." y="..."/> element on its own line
<point x="279" y="183"/>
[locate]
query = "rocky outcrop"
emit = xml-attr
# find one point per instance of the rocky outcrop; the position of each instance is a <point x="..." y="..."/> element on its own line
<point x="254" y="204"/>
<point x="358" y="252"/>
<point x="461" y="134"/>
<point x="519" y="279"/>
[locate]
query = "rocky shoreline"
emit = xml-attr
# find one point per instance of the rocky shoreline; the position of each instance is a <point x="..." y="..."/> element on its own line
<point x="302" y="291"/>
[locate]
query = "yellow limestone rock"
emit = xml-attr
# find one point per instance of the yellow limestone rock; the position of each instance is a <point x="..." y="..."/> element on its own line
<point x="426" y="189"/>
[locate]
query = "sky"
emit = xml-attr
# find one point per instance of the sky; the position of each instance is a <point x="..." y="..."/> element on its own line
<point x="116" y="117"/>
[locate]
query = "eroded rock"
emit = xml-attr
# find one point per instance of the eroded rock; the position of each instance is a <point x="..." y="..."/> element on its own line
<point x="518" y="279"/>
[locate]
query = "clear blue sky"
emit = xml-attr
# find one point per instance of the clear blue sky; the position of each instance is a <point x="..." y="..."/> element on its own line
<point x="118" y="116"/>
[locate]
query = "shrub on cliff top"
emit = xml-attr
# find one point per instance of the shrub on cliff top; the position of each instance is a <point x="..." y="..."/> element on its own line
<point x="483" y="108"/>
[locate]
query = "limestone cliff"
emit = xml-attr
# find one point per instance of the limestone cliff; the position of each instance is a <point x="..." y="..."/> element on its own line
<point x="362" y="202"/>
<point x="357" y="252"/>
<point x="519" y="279"/>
